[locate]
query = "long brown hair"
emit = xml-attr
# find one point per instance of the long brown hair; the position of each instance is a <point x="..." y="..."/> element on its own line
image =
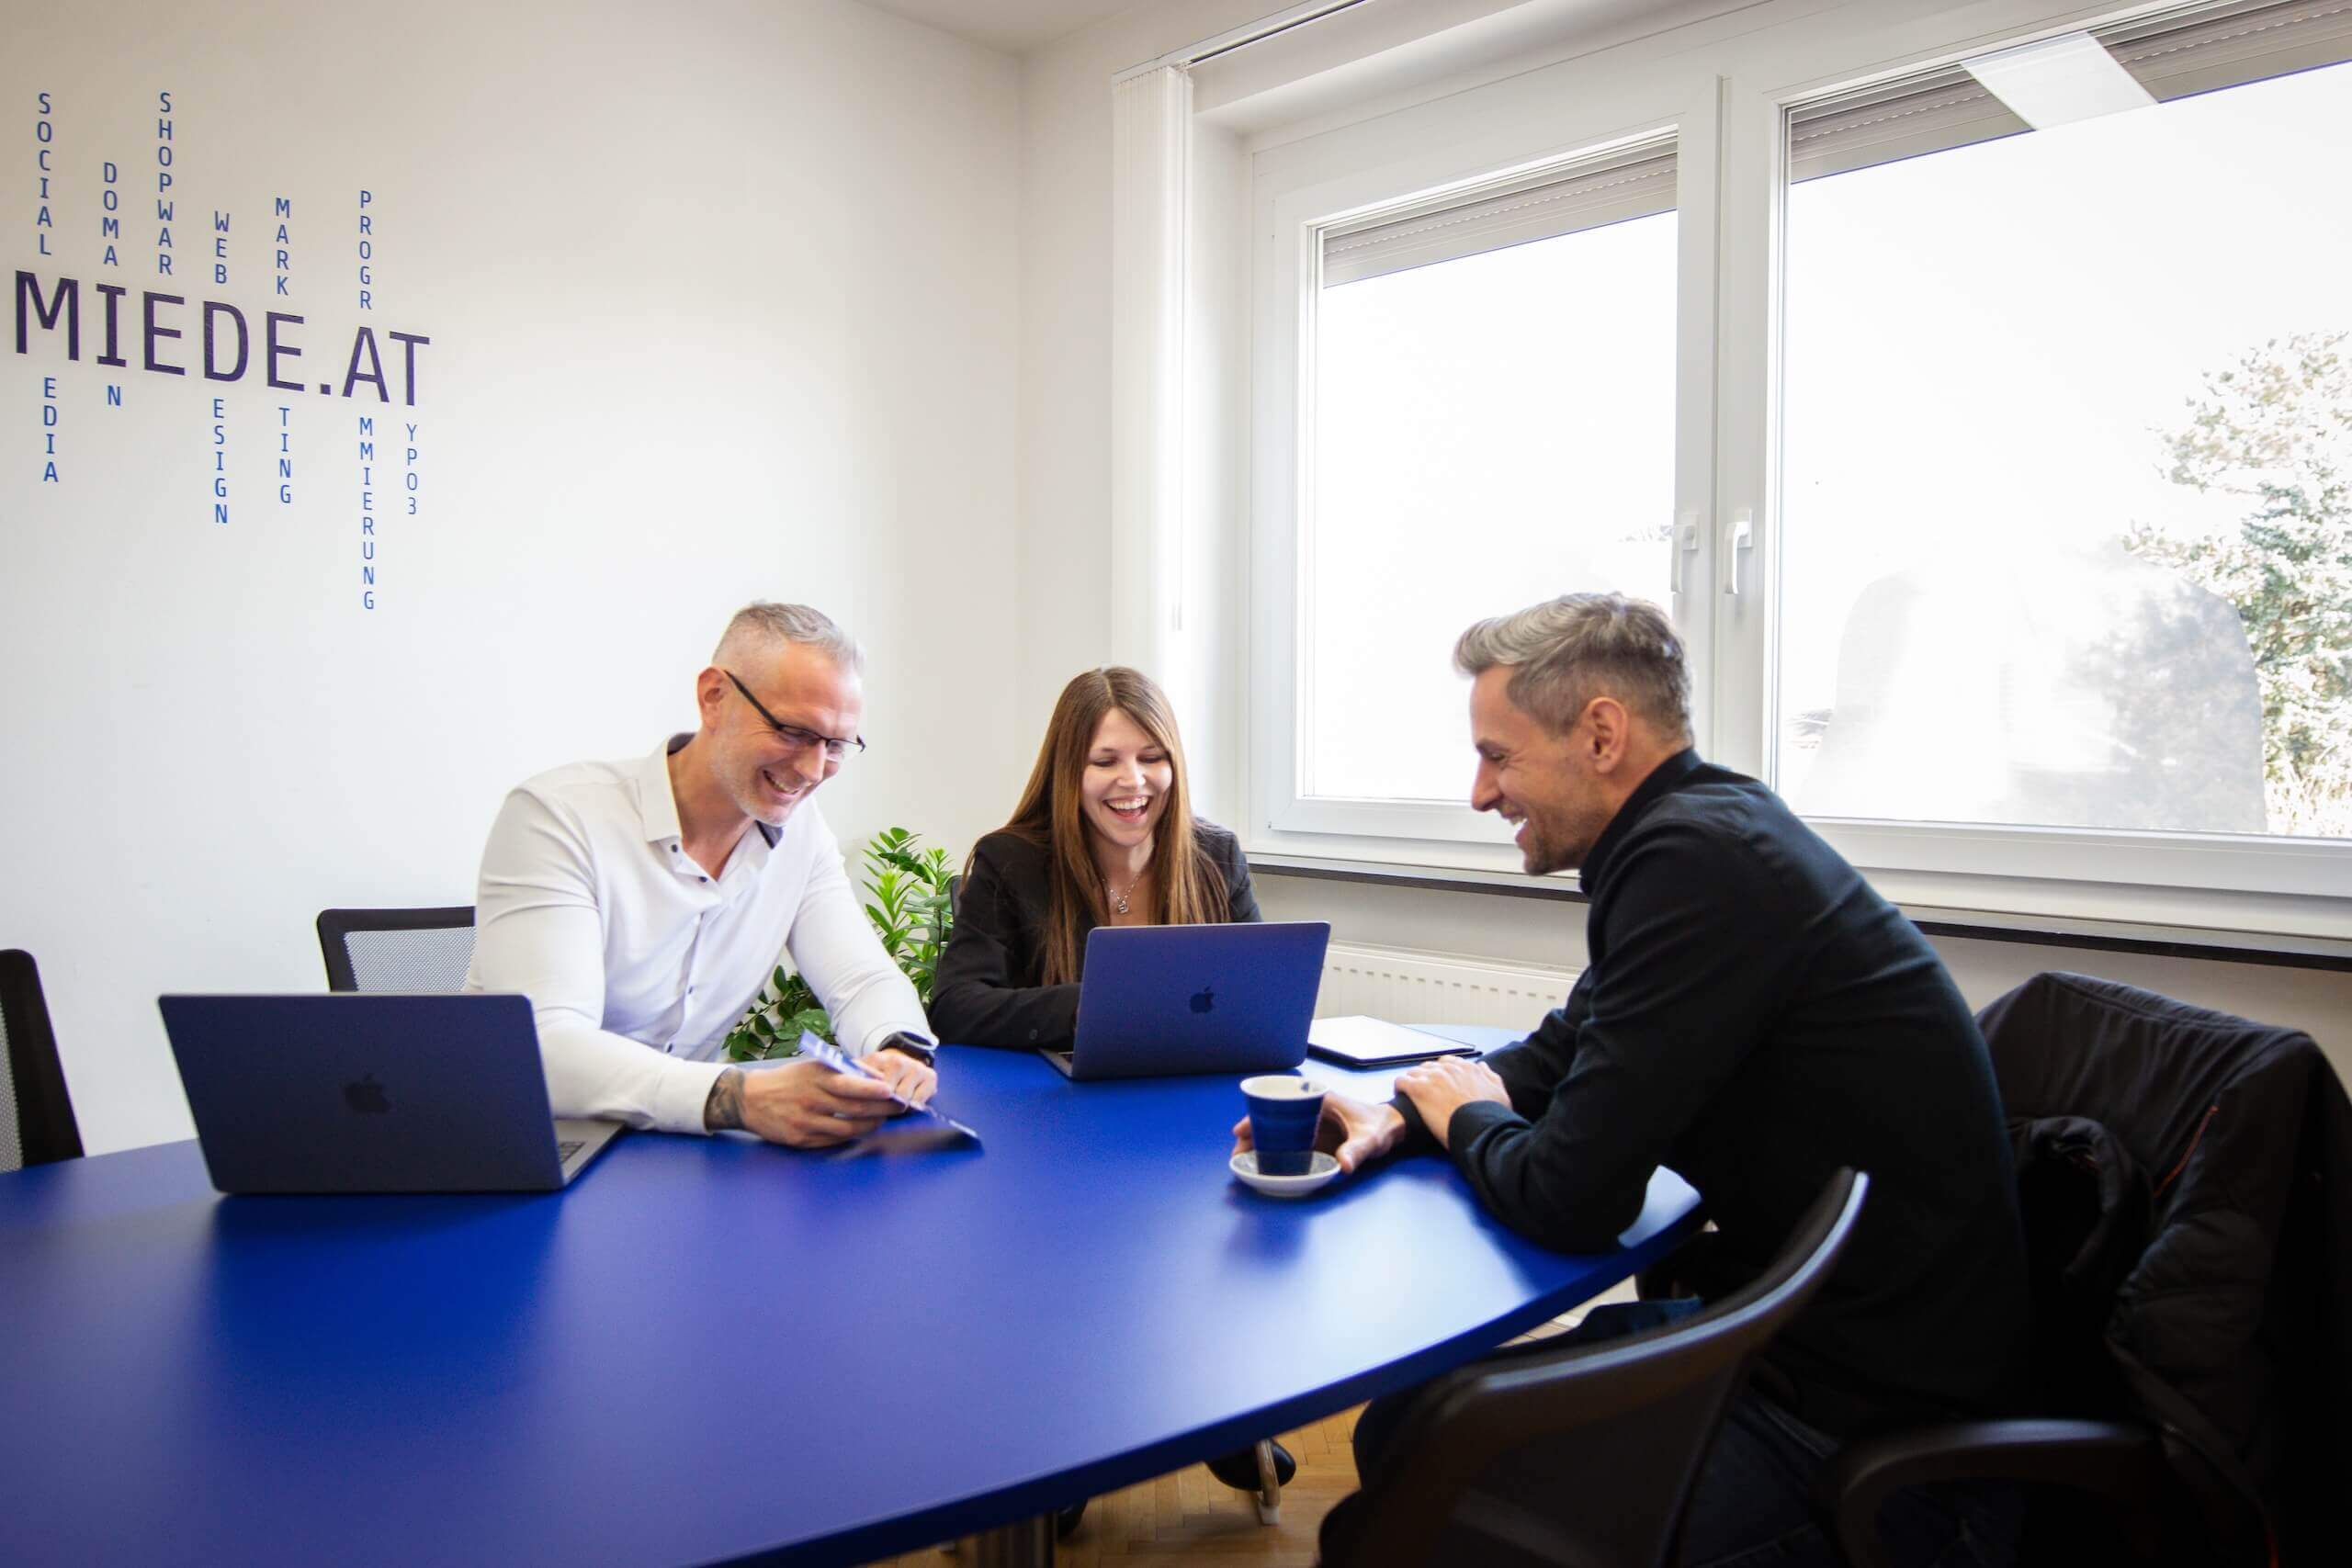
<point x="1188" y="889"/>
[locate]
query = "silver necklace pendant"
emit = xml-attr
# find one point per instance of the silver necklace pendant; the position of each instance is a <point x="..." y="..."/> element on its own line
<point x="1119" y="901"/>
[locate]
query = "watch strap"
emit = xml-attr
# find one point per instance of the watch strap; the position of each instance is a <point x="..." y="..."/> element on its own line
<point x="907" y="1044"/>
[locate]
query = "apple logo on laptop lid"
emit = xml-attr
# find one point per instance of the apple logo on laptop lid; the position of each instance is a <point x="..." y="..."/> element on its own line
<point x="366" y="1097"/>
<point x="1203" y="1000"/>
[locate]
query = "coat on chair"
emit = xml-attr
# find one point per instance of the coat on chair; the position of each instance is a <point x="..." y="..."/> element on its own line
<point x="2186" y="1179"/>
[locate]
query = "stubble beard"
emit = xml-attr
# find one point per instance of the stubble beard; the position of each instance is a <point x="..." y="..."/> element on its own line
<point x="1552" y="847"/>
<point x="751" y="798"/>
<point x="1538" y="856"/>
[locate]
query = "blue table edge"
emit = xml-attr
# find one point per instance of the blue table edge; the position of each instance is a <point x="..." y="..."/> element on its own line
<point x="972" y="1515"/>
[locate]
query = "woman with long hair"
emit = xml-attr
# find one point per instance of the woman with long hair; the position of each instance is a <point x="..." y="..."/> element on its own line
<point x="1104" y="836"/>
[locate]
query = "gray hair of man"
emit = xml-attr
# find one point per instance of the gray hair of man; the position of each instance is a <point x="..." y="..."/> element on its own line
<point x="760" y="626"/>
<point x="1568" y="651"/>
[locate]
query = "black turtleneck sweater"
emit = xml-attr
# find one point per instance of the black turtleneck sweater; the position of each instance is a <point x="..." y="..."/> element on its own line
<point x="1753" y="1016"/>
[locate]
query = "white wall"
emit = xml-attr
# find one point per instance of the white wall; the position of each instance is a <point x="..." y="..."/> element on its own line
<point x="1065" y="415"/>
<point x="723" y="301"/>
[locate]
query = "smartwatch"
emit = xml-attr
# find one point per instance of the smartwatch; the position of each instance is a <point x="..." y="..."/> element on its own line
<point x="907" y="1044"/>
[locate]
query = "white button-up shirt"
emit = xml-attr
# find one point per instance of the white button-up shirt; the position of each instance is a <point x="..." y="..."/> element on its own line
<point x="638" y="963"/>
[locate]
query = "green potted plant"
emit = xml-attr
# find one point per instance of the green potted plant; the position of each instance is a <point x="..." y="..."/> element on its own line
<point x="906" y="900"/>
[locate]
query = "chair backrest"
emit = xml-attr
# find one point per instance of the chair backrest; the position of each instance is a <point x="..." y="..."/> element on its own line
<point x="413" y="951"/>
<point x="37" y="1121"/>
<point x="1636" y="1413"/>
<point x="2171" y="1181"/>
<point x="2148" y="1068"/>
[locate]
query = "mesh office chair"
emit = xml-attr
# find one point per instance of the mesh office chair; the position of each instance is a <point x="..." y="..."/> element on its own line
<point x="413" y="952"/>
<point x="37" y="1121"/>
<point x="1640" y="1411"/>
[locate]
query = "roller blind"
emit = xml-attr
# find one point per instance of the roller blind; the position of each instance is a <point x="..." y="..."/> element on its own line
<point x="1631" y="183"/>
<point x="2173" y="54"/>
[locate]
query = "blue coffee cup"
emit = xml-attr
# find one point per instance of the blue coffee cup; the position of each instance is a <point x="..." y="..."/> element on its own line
<point x="1284" y="1111"/>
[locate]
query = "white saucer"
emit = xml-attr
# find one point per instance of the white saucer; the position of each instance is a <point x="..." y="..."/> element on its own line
<point x="1321" y="1169"/>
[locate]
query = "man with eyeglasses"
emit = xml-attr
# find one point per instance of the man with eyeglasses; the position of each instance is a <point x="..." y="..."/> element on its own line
<point x="641" y="905"/>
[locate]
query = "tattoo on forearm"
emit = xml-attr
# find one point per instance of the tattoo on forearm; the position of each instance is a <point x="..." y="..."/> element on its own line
<point x="724" y="1108"/>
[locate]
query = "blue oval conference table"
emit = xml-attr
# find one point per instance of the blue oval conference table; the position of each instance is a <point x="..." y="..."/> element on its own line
<point x="711" y="1350"/>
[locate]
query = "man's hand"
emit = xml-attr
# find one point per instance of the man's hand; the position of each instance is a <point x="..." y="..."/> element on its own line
<point x="1353" y="1132"/>
<point x="805" y="1104"/>
<point x="914" y="1081"/>
<point x="1439" y="1088"/>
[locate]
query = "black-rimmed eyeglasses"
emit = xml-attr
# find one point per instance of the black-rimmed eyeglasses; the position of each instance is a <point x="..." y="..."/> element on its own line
<point x="793" y="734"/>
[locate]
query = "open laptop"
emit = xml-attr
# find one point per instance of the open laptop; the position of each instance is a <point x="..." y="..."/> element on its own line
<point x="373" y="1093"/>
<point x="1158" y="1001"/>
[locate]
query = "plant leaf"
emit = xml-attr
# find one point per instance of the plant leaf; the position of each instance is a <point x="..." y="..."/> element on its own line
<point x="912" y="918"/>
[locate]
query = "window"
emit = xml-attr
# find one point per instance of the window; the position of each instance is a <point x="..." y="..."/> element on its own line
<point x="1472" y="365"/>
<point x="1495" y="367"/>
<point x="1975" y="388"/>
<point x="2066" y="535"/>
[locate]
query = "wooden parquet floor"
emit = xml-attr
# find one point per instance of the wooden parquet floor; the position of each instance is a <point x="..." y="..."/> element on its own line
<point x="1191" y="1519"/>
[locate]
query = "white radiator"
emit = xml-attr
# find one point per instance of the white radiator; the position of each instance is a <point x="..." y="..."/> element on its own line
<point x="1408" y="986"/>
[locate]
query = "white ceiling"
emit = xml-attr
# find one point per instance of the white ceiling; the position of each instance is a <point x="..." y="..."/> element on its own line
<point x="1016" y="26"/>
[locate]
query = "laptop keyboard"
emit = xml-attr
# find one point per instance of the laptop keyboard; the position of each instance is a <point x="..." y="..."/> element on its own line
<point x="566" y="1147"/>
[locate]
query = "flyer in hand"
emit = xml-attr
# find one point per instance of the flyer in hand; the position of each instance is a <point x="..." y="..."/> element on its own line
<point x="916" y="1127"/>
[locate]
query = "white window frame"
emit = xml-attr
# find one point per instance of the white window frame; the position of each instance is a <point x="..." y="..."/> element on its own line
<point x="1505" y="129"/>
<point x="1725" y="92"/>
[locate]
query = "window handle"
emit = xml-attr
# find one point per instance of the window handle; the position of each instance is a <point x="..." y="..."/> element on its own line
<point x="1739" y="542"/>
<point x="1686" y="545"/>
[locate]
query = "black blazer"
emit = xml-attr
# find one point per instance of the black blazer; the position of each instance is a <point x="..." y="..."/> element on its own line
<point x="986" y="990"/>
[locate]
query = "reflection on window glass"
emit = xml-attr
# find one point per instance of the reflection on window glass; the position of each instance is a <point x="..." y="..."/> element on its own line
<point x="1487" y="431"/>
<point x="2066" y="478"/>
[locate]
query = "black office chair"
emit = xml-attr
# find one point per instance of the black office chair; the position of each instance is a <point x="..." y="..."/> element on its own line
<point x="413" y="952"/>
<point x="37" y="1121"/>
<point x="1635" y="1416"/>
<point x="2146" y="1129"/>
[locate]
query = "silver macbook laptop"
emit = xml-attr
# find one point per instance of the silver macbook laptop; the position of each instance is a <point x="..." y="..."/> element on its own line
<point x="1158" y="1001"/>
<point x="367" y="1093"/>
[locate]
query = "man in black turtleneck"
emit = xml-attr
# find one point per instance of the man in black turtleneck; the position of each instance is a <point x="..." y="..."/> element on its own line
<point x="1753" y="1016"/>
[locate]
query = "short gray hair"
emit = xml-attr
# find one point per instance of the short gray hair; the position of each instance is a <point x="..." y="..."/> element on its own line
<point x="1568" y="651"/>
<point x="759" y="625"/>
